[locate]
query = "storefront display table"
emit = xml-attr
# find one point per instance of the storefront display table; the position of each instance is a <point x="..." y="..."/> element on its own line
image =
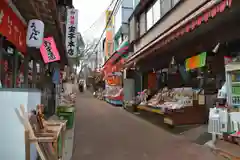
<point x="186" y="116"/>
<point x="151" y="109"/>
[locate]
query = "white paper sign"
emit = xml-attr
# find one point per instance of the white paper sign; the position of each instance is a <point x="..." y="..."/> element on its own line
<point x="71" y="32"/>
<point x="35" y="33"/>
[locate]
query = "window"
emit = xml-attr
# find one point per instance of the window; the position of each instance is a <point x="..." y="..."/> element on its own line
<point x="137" y="29"/>
<point x="166" y="6"/>
<point x="135" y="3"/>
<point x="159" y="9"/>
<point x="174" y="2"/>
<point x="149" y="18"/>
<point x="118" y="20"/>
<point x="156" y="11"/>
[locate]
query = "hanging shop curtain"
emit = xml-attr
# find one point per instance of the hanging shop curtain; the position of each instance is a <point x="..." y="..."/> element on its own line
<point x="152" y="81"/>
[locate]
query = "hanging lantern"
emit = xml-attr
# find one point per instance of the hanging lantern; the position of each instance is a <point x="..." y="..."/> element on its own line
<point x="173" y="66"/>
<point x="216" y="48"/>
<point x="35" y="33"/>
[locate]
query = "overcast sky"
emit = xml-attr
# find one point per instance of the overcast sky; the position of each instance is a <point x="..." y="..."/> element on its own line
<point x="89" y="12"/>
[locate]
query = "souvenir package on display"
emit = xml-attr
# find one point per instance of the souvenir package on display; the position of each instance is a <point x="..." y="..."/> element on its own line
<point x="143" y="96"/>
<point x="112" y="91"/>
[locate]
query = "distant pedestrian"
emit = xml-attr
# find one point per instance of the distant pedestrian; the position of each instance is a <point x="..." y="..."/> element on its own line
<point x="81" y="86"/>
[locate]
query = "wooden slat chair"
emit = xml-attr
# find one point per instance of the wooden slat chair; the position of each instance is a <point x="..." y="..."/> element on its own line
<point x="57" y="127"/>
<point x="42" y="140"/>
<point x="47" y="148"/>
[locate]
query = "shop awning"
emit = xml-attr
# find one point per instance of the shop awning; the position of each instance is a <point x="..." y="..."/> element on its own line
<point x="115" y="62"/>
<point x="121" y="51"/>
<point x="187" y="24"/>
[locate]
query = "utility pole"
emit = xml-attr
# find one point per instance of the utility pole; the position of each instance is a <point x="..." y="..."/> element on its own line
<point x="96" y="60"/>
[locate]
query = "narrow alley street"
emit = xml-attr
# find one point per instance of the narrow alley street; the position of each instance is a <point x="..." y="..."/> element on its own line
<point x="105" y="132"/>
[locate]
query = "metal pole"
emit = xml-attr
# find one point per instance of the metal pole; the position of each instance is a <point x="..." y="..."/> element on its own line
<point x="34" y="74"/>
<point x="96" y="61"/>
<point x="15" y="68"/>
<point x="26" y="61"/>
<point x="1" y="55"/>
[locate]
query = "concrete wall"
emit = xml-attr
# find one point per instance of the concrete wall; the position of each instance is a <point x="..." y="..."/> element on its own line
<point x="122" y="15"/>
<point x="178" y="13"/>
<point x="132" y="26"/>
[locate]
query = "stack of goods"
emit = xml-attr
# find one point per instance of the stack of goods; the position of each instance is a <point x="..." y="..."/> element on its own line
<point x="142" y="97"/>
<point x="176" y="98"/>
<point x="112" y="91"/>
<point x="156" y="99"/>
<point x="67" y="99"/>
<point x="100" y="93"/>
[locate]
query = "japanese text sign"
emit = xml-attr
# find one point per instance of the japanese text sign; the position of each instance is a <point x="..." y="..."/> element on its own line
<point x="35" y="33"/>
<point x="12" y="27"/>
<point x="49" y="50"/>
<point x="71" y="32"/>
<point x="109" y="19"/>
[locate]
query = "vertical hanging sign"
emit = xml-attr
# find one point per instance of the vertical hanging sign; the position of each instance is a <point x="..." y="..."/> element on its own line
<point x="49" y="50"/>
<point x="71" y="32"/>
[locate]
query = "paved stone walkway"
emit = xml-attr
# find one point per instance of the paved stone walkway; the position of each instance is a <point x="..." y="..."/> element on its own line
<point x="104" y="132"/>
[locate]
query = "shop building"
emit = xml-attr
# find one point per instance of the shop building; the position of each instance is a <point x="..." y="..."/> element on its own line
<point x="164" y="35"/>
<point x="13" y="46"/>
<point x="121" y="15"/>
<point x="29" y="68"/>
<point x="113" y="67"/>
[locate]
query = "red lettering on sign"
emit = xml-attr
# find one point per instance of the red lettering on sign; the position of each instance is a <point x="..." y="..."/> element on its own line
<point x="214" y="12"/>
<point x="222" y="6"/>
<point x="206" y="16"/>
<point x="199" y="21"/>
<point x="194" y="24"/>
<point x="12" y="27"/>
<point x="187" y="28"/>
<point x="72" y="20"/>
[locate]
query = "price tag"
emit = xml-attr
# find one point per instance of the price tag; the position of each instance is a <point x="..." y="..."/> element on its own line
<point x="186" y="102"/>
<point x="221" y="95"/>
<point x="236" y="100"/>
<point x="168" y="121"/>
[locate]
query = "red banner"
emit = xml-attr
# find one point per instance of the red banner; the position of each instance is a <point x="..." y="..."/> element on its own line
<point x="12" y="27"/>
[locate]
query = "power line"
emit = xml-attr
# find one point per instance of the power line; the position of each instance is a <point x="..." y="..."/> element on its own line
<point x="96" y="44"/>
<point x="100" y="17"/>
<point x="109" y="19"/>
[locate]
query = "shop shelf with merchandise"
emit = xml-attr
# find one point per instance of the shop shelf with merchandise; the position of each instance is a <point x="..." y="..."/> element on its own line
<point x="177" y="109"/>
<point x="224" y="119"/>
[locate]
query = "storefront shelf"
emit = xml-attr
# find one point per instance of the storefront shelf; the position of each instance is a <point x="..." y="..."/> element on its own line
<point x="184" y="116"/>
<point x="150" y="109"/>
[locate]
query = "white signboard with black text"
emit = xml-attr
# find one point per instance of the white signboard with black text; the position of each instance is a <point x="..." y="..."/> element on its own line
<point x="71" y="32"/>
